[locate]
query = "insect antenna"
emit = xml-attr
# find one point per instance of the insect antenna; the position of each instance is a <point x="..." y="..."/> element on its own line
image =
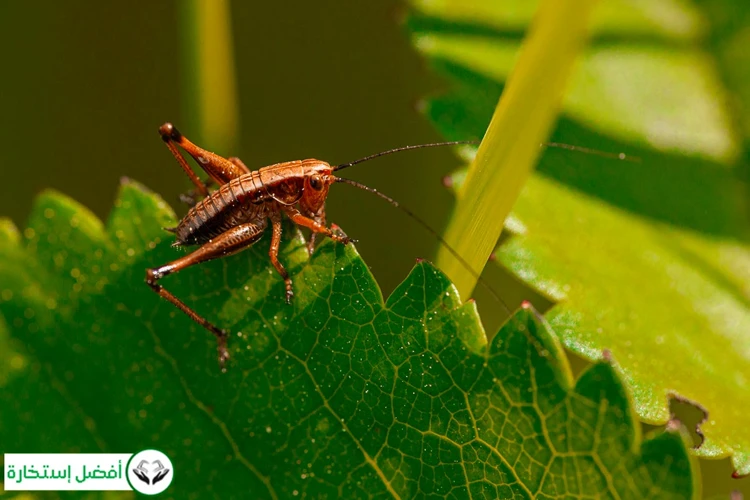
<point x="403" y="148"/>
<point x="557" y="145"/>
<point x="590" y="151"/>
<point x="429" y="229"/>
<point x="421" y="222"/>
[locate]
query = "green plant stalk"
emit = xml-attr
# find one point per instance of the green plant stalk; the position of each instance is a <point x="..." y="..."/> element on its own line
<point x="210" y="98"/>
<point x="524" y="116"/>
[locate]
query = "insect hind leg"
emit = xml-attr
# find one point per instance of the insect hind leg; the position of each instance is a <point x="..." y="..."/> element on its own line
<point x="227" y="243"/>
<point x="171" y="136"/>
<point x="217" y="167"/>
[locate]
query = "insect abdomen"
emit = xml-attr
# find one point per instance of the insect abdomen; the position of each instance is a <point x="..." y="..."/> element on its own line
<point x="238" y="201"/>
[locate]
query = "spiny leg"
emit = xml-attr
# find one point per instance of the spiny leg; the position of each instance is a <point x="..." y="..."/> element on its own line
<point x="168" y="134"/>
<point x="217" y="167"/>
<point x="227" y="243"/>
<point x="273" y="253"/>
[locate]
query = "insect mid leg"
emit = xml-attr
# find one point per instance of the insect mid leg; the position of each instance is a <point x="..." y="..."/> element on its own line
<point x="273" y="253"/>
<point x="320" y="219"/>
<point x="311" y="243"/>
<point x="227" y="243"/>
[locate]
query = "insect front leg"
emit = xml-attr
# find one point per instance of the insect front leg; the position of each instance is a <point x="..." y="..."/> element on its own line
<point x="311" y="243"/>
<point x="314" y="225"/>
<point x="320" y="219"/>
<point x="227" y="243"/>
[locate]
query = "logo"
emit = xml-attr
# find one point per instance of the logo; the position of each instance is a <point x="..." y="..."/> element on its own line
<point x="66" y="471"/>
<point x="150" y="472"/>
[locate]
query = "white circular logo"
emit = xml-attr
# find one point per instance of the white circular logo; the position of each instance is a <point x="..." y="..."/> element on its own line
<point x="150" y="472"/>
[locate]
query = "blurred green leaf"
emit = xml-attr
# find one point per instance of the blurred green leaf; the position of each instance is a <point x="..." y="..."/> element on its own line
<point x="341" y="394"/>
<point x="669" y="19"/>
<point x="647" y="260"/>
<point x="694" y="193"/>
<point x="210" y="95"/>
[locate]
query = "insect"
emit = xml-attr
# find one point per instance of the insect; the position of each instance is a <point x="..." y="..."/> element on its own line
<point x="236" y="214"/>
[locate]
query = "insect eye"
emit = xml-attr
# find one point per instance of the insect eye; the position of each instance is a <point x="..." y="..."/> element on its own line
<point x="316" y="183"/>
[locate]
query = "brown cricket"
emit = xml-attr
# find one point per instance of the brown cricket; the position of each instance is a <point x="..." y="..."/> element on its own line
<point x="236" y="214"/>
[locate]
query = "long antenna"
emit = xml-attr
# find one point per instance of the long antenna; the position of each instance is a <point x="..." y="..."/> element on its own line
<point x="403" y="148"/>
<point x="558" y="145"/>
<point x="590" y="151"/>
<point x="437" y="235"/>
<point x="421" y="222"/>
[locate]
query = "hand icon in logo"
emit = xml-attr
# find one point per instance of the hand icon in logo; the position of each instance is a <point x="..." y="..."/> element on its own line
<point x="159" y="471"/>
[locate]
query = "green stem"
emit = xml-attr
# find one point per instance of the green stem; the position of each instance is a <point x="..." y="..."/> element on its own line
<point x="523" y="119"/>
<point x="210" y="81"/>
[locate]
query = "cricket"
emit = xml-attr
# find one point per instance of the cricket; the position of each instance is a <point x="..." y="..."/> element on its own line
<point x="236" y="214"/>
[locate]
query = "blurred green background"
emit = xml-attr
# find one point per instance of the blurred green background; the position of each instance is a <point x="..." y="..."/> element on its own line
<point x="86" y="85"/>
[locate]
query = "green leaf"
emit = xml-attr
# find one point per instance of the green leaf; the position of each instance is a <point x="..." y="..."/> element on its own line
<point x="342" y="394"/>
<point x="646" y="260"/>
